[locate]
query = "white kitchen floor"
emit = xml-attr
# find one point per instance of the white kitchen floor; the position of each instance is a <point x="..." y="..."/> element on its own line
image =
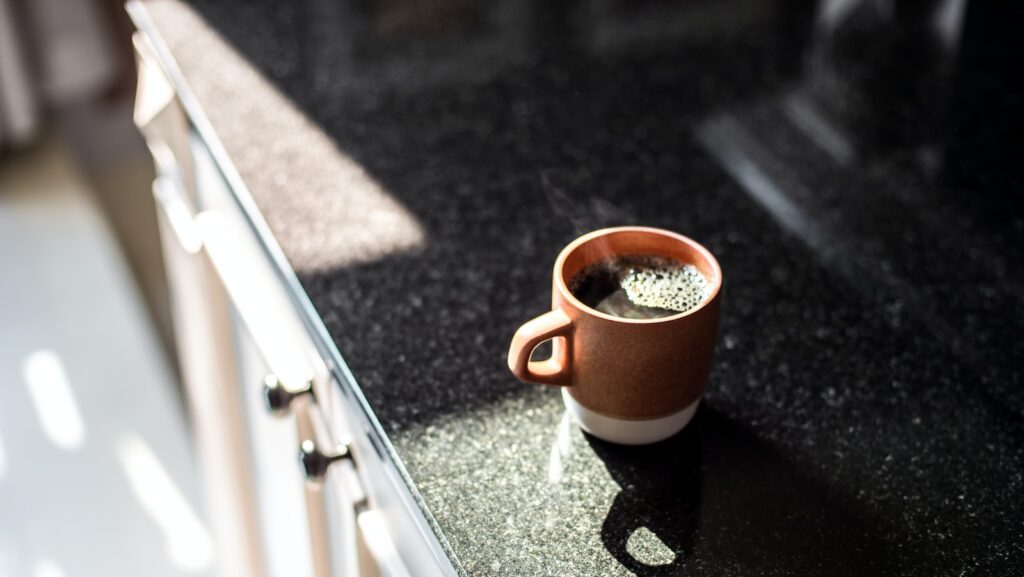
<point x="97" y="474"/>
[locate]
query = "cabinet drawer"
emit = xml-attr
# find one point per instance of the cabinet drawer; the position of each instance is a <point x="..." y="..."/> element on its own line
<point x="162" y="120"/>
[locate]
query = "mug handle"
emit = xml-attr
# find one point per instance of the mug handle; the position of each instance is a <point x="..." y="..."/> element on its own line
<point x="552" y="371"/>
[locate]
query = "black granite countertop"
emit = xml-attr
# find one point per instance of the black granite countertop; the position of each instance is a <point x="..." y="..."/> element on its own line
<point x="853" y="166"/>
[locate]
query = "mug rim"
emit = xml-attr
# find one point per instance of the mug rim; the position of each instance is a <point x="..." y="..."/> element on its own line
<point x="572" y="246"/>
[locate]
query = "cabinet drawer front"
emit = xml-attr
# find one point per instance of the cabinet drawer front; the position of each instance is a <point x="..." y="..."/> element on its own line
<point x="162" y="120"/>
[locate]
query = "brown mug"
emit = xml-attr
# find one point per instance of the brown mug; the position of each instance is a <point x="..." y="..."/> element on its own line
<point x="629" y="381"/>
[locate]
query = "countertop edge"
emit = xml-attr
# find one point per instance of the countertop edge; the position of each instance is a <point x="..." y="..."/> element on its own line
<point x="337" y="365"/>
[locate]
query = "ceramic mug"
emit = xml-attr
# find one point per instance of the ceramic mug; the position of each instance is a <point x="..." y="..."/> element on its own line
<point x="628" y="381"/>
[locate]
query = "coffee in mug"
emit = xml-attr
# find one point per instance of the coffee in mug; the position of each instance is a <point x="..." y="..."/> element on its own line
<point x="640" y="286"/>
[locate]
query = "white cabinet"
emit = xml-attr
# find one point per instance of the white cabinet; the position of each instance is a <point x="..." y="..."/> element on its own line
<point x="299" y="479"/>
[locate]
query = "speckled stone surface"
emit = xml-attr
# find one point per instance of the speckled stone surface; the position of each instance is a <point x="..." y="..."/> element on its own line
<point x="855" y="178"/>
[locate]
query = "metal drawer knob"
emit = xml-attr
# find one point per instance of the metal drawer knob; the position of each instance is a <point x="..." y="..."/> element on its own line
<point x="315" y="462"/>
<point x="277" y="398"/>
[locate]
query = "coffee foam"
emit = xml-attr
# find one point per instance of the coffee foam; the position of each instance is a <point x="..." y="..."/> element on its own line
<point x="667" y="286"/>
<point x="640" y="286"/>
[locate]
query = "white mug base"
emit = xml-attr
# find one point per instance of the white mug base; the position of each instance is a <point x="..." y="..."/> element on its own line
<point x="628" y="431"/>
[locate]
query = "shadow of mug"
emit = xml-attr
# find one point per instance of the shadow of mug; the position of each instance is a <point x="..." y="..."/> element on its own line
<point x="755" y="506"/>
<point x="660" y="493"/>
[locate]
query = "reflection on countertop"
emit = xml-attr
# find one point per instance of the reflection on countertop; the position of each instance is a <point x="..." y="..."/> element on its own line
<point x="849" y="162"/>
